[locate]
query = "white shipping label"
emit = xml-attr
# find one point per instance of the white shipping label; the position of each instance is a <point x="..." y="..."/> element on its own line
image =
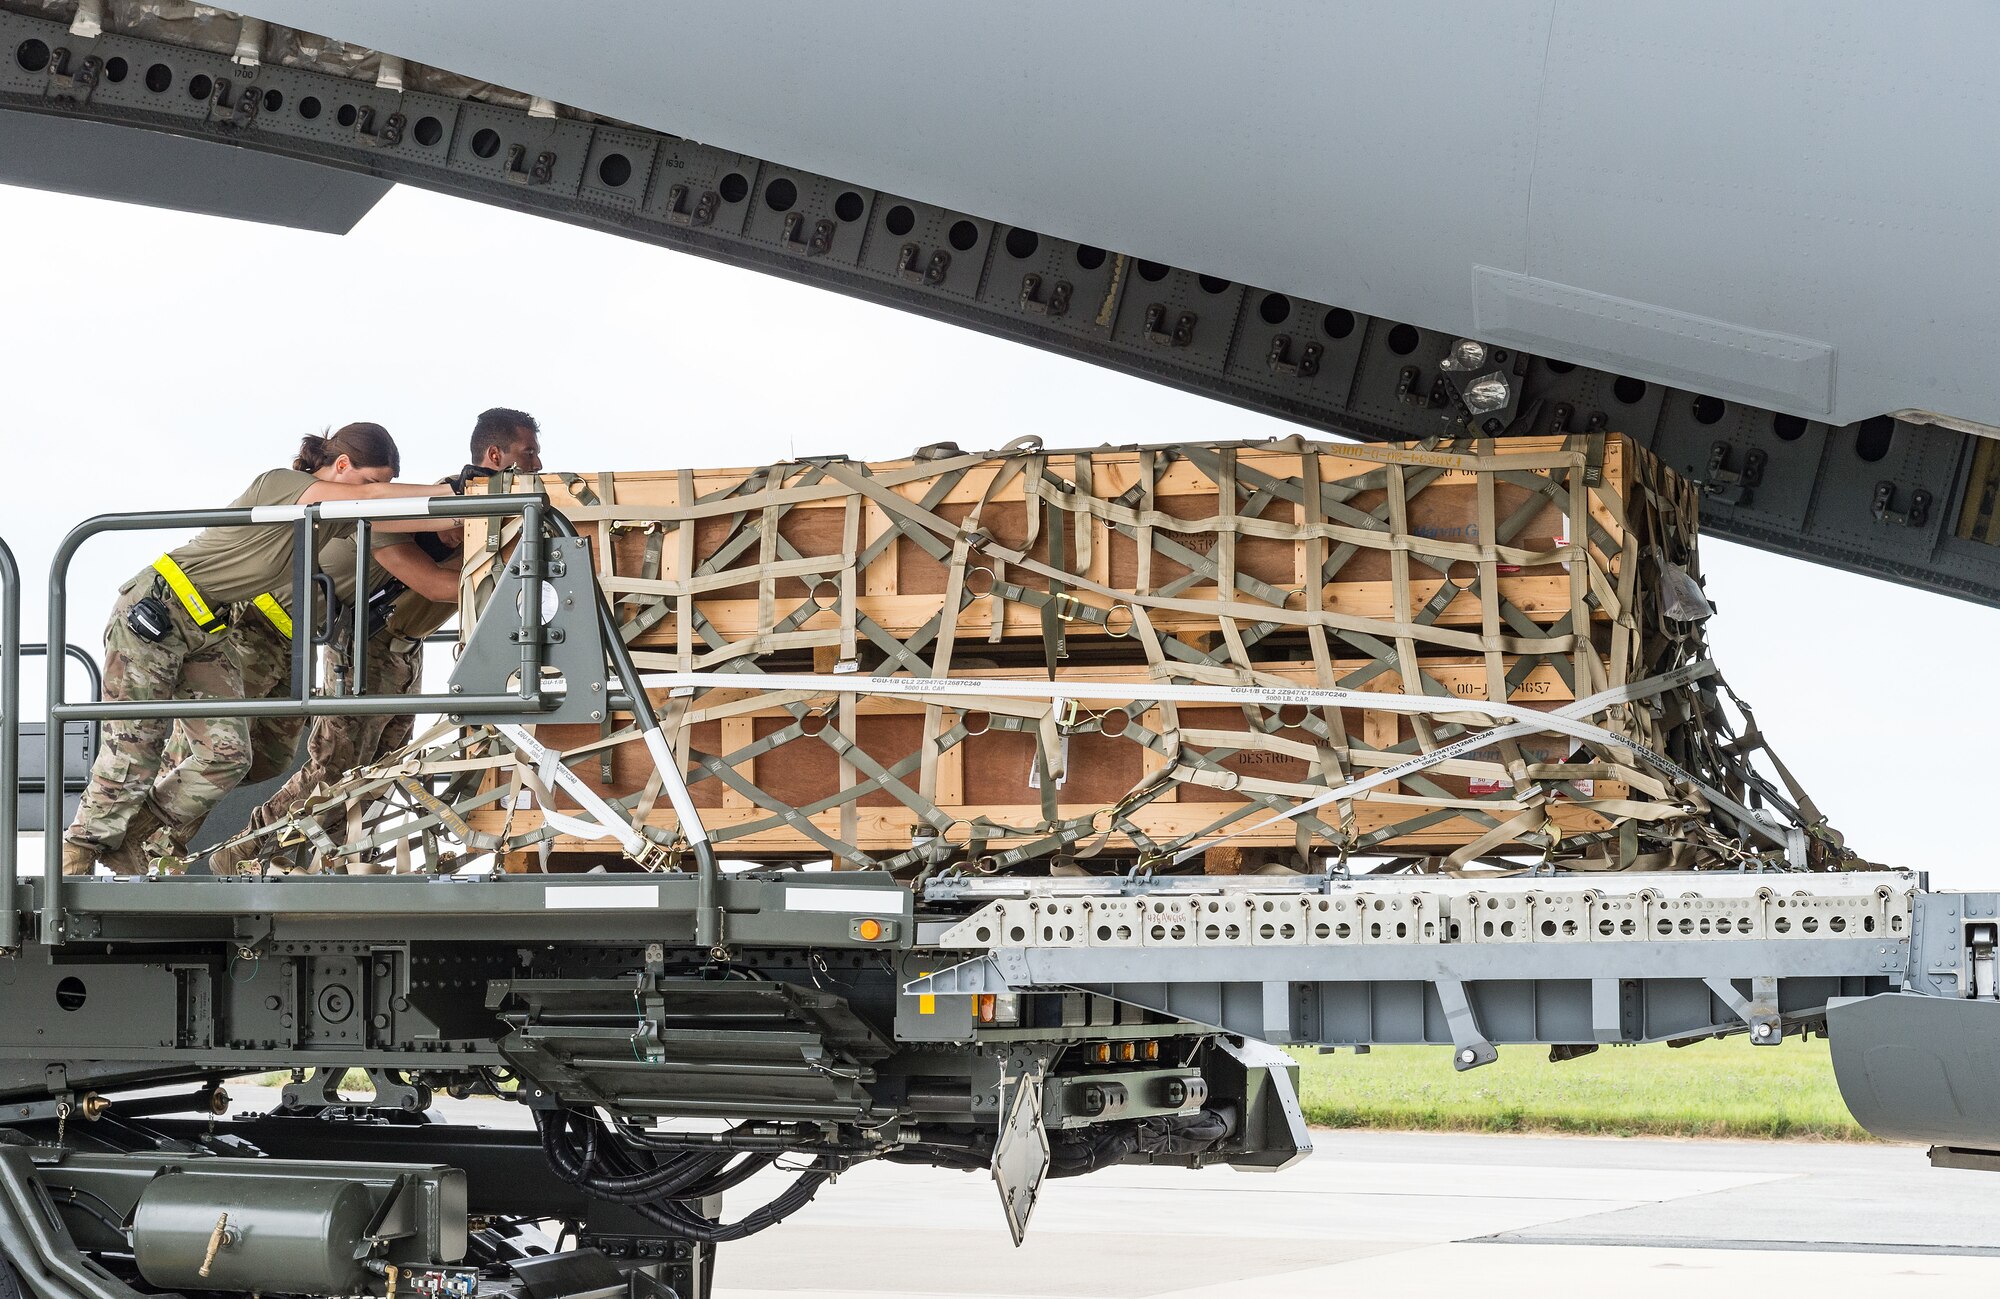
<point x="600" y="897"/>
<point x="846" y="902"/>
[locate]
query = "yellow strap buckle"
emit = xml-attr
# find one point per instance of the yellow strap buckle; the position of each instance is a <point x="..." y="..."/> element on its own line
<point x="267" y="604"/>
<point x="184" y="590"/>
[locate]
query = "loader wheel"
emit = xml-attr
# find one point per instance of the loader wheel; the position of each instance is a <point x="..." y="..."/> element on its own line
<point x="10" y="1282"/>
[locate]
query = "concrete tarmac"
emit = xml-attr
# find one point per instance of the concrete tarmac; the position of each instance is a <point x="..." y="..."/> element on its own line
<point x="1426" y="1214"/>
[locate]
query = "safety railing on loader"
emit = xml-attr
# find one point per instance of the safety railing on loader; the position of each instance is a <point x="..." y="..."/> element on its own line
<point x="80" y="739"/>
<point x="10" y="745"/>
<point x="529" y="629"/>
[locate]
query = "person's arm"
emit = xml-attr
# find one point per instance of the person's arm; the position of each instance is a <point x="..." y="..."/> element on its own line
<point x="322" y="492"/>
<point x="408" y="564"/>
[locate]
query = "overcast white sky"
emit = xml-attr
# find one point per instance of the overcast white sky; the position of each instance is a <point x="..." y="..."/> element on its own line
<point x="153" y="360"/>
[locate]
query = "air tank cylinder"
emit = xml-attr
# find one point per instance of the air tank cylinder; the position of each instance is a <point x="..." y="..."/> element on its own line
<point x="239" y="1231"/>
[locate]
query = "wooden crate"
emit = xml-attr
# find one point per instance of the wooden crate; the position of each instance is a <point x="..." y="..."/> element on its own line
<point x="1456" y="567"/>
<point x="746" y="550"/>
<point x="990" y="775"/>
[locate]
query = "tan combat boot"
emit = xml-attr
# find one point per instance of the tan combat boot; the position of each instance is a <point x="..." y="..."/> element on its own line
<point x="78" y="858"/>
<point x="129" y="858"/>
<point x="233" y="859"/>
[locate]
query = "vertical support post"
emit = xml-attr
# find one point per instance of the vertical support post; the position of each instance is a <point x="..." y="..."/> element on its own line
<point x="708" y="916"/>
<point x="303" y="621"/>
<point x="10" y="745"/>
<point x="54" y="773"/>
<point x="528" y="562"/>
<point x="357" y="655"/>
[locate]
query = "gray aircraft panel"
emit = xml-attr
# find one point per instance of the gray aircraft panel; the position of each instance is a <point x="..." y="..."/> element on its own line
<point x="1885" y="496"/>
<point x="94" y="160"/>
<point x="1772" y="204"/>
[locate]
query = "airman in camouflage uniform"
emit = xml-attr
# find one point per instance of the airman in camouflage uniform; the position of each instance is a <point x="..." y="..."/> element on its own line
<point x="168" y="638"/>
<point x="502" y="439"/>
<point x="263" y="658"/>
<point x="128" y="798"/>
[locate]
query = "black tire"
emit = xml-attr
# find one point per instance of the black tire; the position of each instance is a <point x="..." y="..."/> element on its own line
<point x="10" y="1282"/>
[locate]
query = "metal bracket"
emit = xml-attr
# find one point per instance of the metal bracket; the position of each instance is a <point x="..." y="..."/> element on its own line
<point x="1031" y="296"/>
<point x="396" y="1219"/>
<point x="391" y="133"/>
<point x="931" y="274"/>
<point x="1408" y="391"/>
<point x="518" y="173"/>
<point x="1732" y="486"/>
<point x="1469" y="1047"/>
<point x="569" y="630"/>
<point x="996" y="972"/>
<point x="704" y="208"/>
<point x="818" y="245"/>
<point x="1883" y="506"/>
<point x="1305" y="367"/>
<point x="80" y="84"/>
<point x="1156" y="330"/>
<point x="323" y="1090"/>
<point x="1759" y="1010"/>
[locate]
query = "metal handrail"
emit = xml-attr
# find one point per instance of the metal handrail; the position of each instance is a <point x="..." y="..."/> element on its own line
<point x="74" y="653"/>
<point x="10" y="746"/>
<point x="532" y="697"/>
<point x="10" y="735"/>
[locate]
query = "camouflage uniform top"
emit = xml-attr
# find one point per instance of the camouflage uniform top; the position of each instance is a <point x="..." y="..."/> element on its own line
<point x="414" y="617"/>
<point x="236" y="563"/>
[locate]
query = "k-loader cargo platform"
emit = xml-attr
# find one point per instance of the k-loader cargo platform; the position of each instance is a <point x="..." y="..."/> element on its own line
<point x="682" y="1024"/>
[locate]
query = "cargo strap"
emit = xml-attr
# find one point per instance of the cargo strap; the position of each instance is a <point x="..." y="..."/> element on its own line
<point x="185" y="591"/>
<point x="1540" y="580"/>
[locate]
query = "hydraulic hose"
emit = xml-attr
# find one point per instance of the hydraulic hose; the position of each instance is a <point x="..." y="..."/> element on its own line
<point x="657" y="1195"/>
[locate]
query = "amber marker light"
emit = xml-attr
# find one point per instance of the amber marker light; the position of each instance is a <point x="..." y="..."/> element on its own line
<point x="869" y="931"/>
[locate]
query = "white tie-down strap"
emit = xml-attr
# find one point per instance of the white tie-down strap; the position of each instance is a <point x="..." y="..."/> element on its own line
<point x="1525" y="720"/>
<point x="1792" y="839"/>
<point x="1519" y="720"/>
<point x="609" y="823"/>
<point x="676" y="785"/>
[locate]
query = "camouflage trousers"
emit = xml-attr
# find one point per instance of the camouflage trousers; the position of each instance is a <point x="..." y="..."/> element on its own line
<point x="263" y="659"/>
<point x="131" y="765"/>
<point x="337" y="745"/>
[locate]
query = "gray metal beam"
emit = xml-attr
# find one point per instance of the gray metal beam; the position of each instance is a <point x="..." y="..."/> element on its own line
<point x="95" y="160"/>
<point x="1883" y="497"/>
<point x="803" y="910"/>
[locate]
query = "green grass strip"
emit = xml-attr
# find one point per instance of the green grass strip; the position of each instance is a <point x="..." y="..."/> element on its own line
<point x="1722" y="1088"/>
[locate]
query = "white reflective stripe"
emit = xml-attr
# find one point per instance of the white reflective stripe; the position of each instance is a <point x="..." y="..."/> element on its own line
<point x="677" y="790"/>
<point x="609" y="821"/>
<point x="277" y="513"/>
<point x="408" y="507"/>
<point x="592" y="897"/>
<point x="848" y="902"/>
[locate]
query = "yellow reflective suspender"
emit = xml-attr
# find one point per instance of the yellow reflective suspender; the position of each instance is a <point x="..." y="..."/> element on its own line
<point x="267" y="604"/>
<point x="197" y="608"/>
<point x="206" y="618"/>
